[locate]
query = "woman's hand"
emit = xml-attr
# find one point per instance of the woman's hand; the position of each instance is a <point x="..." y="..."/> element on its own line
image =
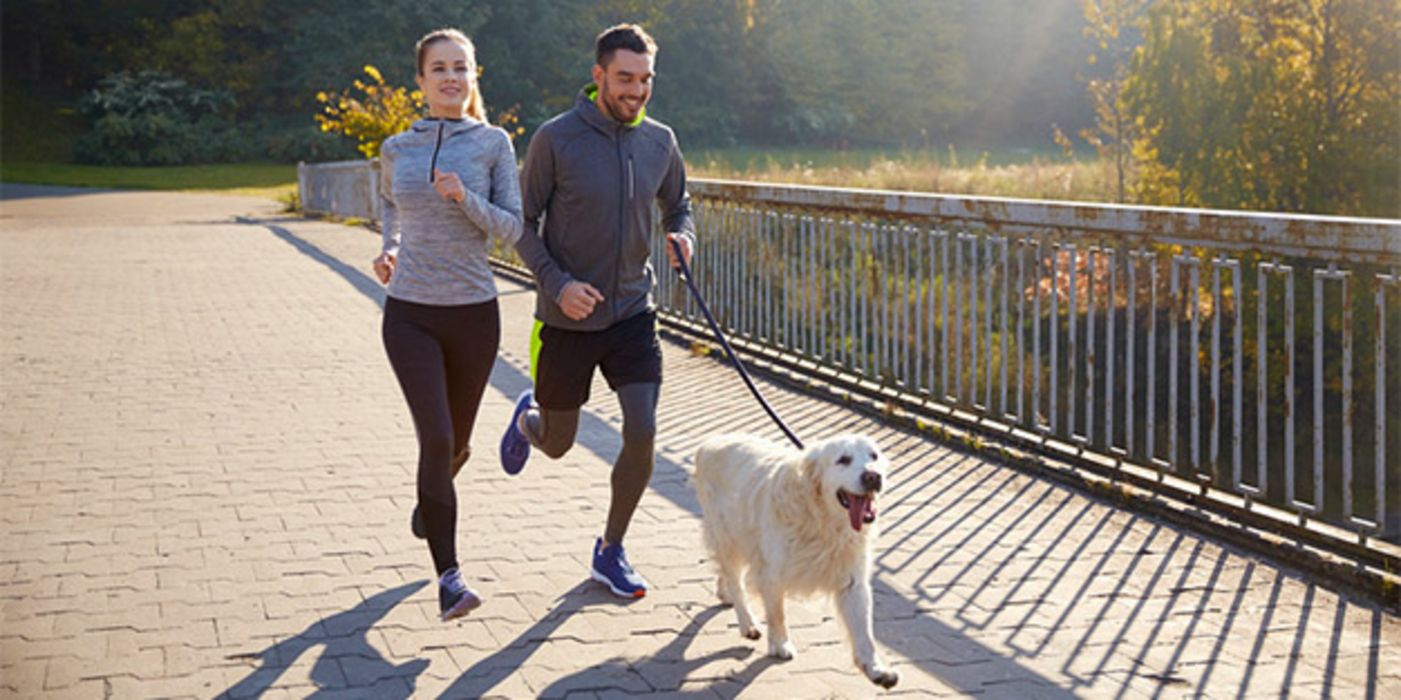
<point x="384" y="267"/>
<point x="449" y="185"/>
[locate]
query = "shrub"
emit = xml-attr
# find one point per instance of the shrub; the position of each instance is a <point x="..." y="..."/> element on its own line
<point x="381" y="111"/>
<point x="153" y="118"/>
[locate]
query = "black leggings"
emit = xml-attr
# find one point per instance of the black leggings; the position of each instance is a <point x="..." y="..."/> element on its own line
<point x="553" y="431"/>
<point x="442" y="356"/>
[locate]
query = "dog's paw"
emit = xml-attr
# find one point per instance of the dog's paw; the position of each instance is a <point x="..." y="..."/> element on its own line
<point x="781" y="650"/>
<point x="882" y="676"/>
<point x="750" y="633"/>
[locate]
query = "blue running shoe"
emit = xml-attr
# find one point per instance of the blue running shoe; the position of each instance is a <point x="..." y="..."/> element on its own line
<point x="611" y="567"/>
<point x="455" y="599"/>
<point x="515" y="446"/>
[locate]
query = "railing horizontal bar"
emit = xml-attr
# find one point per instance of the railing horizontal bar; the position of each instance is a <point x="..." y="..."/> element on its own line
<point x="1324" y="237"/>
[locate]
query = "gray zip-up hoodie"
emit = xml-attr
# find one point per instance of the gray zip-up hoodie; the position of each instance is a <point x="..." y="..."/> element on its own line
<point x="440" y="245"/>
<point x="594" y="182"/>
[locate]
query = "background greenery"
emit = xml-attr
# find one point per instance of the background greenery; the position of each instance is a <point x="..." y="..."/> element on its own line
<point x="1229" y="103"/>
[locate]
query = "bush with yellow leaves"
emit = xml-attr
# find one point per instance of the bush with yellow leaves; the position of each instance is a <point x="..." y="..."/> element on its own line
<point x="380" y="111"/>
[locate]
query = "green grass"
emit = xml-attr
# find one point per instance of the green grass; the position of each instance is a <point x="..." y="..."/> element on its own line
<point x="273" y="180"/>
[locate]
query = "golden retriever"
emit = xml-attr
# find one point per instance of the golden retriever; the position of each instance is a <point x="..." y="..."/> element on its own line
<point x="795" y="523"/>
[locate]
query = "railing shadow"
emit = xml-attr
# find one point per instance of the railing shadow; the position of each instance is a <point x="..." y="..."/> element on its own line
<point x="344" y="637"/>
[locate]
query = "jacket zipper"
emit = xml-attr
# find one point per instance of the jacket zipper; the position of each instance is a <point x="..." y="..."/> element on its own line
<point x="632" y="178"/>
<point x="624" y="195"/>
<point x="433" y="163"/>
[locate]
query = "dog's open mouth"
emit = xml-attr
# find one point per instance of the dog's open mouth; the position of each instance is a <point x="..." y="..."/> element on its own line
<point x="861" y="508"/>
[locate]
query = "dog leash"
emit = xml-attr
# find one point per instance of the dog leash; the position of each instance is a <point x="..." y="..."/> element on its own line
<point x="729" y="351"/>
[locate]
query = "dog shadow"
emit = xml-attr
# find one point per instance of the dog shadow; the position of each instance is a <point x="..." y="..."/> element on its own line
<point x="346" y="647"/>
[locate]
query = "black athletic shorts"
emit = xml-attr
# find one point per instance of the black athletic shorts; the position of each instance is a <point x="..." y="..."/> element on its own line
<point x="628" y="352"/>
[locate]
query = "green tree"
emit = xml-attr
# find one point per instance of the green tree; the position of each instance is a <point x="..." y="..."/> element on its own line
<point x="1111" y="25"/>
<point x="1284" y="106"/>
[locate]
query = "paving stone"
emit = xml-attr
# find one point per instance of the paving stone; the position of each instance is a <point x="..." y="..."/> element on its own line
<point x="208" y="469"/>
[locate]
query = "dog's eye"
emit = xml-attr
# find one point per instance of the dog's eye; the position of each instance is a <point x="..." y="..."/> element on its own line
<point x="844" y="460"/>
<point x="873" y="457"/>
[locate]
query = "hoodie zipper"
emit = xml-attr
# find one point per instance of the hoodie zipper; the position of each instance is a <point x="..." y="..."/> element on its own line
<point x="632" y="178"/>
<point x="623" y="196"/>
<point x="433" y="164"/>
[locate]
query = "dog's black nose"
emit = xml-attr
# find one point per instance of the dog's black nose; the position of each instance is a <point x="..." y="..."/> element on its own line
<point x="871" y="481"/>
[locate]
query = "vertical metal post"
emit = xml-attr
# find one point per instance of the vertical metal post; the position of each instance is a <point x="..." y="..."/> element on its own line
<point x="1150" y="445"/>
<point x="1072" y="341"/>
<point x="1110" y="312"/>
<point x="1090" y="257"/>
<point x="1055" y="331"/>
<point x="1006" y="329"/>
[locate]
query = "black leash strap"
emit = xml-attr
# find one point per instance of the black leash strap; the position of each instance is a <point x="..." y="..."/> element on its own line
<point x="715" y="328"/>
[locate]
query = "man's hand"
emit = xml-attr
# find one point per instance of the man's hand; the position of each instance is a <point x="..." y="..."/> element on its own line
<point x="671" y="252"/>
<point x="578" y="299"/>
<point x="449" y="185"/>
<point x="384" y="267"/>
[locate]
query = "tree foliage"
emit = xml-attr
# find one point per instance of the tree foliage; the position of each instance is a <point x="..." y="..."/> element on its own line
<point x="729" y="71"/>
<point x="1284" y="106"/>
<point x="153" y="118"/>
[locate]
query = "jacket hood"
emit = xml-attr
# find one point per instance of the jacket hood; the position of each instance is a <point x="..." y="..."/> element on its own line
<point x="593" y="116"/>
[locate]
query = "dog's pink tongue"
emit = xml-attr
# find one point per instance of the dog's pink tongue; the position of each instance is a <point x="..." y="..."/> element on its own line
<point x="856" y="510"/>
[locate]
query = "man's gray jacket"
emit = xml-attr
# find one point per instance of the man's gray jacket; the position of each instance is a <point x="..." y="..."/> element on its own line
<point x="593" y="181"/>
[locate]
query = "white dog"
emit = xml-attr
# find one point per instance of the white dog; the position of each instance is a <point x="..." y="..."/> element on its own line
<point x="795" y="523"/>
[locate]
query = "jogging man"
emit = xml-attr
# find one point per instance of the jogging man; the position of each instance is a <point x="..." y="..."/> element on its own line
<point x="592" y="174"/>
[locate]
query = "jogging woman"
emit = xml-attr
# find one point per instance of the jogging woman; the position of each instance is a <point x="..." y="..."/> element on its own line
<point x="449" y="184"/>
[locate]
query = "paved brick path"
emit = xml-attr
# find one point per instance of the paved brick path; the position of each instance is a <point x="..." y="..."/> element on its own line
<point x="207" y="474"/>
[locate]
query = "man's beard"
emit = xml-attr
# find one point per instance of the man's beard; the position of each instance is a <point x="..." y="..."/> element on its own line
<point x="616" y="107"/>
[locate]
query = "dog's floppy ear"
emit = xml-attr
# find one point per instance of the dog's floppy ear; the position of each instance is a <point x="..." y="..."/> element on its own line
<point x="807" y="465"/>
<point x="808" y="469"/>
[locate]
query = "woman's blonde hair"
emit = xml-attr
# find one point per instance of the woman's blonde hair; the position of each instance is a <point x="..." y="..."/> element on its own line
<point x="476" y="108"/>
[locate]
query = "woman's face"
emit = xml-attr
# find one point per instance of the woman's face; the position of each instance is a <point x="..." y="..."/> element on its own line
<point x="446" y="78"/>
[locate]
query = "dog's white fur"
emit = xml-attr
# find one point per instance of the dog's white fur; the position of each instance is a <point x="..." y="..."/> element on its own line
<point x="772" y="520"/>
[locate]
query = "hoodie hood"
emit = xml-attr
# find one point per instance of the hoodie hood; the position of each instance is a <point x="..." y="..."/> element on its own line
<point x="588" y="107"/>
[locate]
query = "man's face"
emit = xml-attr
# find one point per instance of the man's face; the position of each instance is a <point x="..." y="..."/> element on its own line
<point x="624" y="85"/>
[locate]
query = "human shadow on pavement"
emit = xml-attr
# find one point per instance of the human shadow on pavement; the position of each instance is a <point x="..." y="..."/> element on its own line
<point x="663" y="671"/>
<point x="667" y="669"/>
<point x="489" y="672"/>
<point x="347" y="656"/>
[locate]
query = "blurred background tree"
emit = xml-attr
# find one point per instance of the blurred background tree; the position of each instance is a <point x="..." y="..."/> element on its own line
<point x="1284" y="106"/>
<point x="1223" y="103"/>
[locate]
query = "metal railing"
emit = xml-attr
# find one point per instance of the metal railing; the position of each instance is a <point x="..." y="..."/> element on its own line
<point x="1162" y="346"/>
<point x="1165" y="339"/>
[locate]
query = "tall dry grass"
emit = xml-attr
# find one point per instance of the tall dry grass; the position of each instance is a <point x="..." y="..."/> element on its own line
<point x="1074" y="181"/>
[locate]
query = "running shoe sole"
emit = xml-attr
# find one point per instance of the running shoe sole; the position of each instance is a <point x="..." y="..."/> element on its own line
<point x="639" y="593"/>
<point x="468" y="603"/>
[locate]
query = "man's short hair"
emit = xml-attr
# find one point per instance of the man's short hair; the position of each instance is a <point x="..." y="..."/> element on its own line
<point x="622" y="36"/>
